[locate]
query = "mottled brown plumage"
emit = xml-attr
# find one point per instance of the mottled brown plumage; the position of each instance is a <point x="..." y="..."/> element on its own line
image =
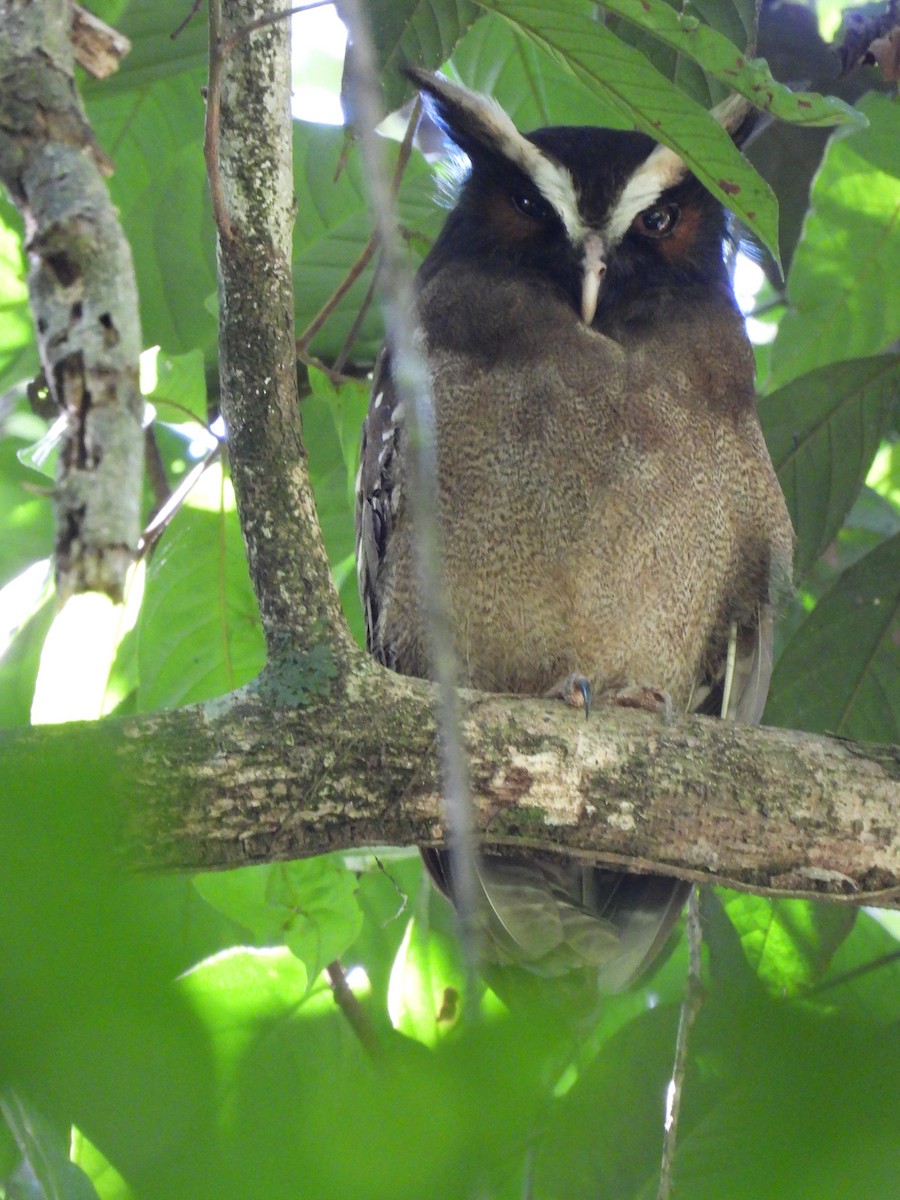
<point x="608" y="504"/>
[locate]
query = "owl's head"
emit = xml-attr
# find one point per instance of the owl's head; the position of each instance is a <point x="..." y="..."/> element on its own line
<point x="603" y="215"/>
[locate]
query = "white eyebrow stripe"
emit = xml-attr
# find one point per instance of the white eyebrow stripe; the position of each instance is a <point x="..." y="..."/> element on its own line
<point x="660" y="170"/>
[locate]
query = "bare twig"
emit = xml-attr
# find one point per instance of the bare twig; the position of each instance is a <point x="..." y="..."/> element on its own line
<point x="350" y="1006"/>
<point x="182" y="25"/>
<point x="156" y="470"/>
<point x="98" y="47"/>
<point x="690" y="1007"/>
<point x="357" y="321"/>
<point x="413" y="386"/>
<point x="211" y="133"/>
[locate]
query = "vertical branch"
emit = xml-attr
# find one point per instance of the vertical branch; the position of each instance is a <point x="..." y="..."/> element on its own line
<point x="250" y="162"/>
<point x="83" y="295"/>
<point x="690" y="1007"/>
<point x="414" y="388"/>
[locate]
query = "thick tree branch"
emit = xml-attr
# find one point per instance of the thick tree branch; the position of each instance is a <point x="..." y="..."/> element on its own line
<point x="245" y="780"/>
<point x="83" y="295"/>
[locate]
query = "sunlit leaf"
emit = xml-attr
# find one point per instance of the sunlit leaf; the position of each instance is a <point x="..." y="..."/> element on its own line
<point x="728" y="63"/>
<point x="788" y="943"/>
<point x="308" y="906"/>
<point x="843" y="299"/>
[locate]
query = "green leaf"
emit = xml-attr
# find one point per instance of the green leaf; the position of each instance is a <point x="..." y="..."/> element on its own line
<point x="199" y="633"/>
<point x="419" y="33"/>
<point x="822" y="431"/>
<point x="308" y="906"/>
<point x="838" y="674"/>
<point x="18" y="353"/>
<point x="155" y="52"/>
<point x="163" y="203"/>
<point x="179" y="395"/>
<point x="723" y="60"/>
<point x="864" y="977"/>
<point x="788" y="943"/>
<point x="27" y="512"/>
<point x="622" y="76"/>
<point x="332" y="419"/>
<point x="45" y="1151"/>
<point x="535" y="90"/>
<point x="428" y="977"/>
<point x="843" y="299"/>
<point x="333" y="228"/>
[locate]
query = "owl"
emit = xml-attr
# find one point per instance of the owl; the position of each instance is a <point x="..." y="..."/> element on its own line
<point x="612" y="525"/>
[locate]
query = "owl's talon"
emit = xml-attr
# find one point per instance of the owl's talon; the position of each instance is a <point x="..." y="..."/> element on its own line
<point x="574" y="690"/>
<point x="650" y="699"/>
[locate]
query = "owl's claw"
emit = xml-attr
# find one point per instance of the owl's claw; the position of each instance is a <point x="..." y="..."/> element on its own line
<point x="574" y="690"/>
<point x="651" y="699"/>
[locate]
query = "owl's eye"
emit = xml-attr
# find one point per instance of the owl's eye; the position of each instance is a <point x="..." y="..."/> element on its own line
<point x="528" y="206"/>
<point x="657" y="222"/>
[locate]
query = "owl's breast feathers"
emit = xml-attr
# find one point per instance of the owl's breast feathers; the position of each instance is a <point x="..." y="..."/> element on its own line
<point x="609" y="506"/>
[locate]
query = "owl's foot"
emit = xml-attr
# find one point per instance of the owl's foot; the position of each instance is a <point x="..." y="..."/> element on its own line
<point x="651" y="699"/>
<point x="574" y="690"/>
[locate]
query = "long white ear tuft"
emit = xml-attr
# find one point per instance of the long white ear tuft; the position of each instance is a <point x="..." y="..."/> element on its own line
<point x="480" y="128"/>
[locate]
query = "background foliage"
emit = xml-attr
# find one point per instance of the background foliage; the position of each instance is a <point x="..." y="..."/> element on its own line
<point x="170" y="1037"/>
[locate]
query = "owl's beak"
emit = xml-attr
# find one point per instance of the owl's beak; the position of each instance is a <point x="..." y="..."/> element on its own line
<point x="593" y="264"/>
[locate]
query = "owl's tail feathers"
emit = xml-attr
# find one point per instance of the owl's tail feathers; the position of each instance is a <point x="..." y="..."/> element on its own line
<point x="550" y="917"/>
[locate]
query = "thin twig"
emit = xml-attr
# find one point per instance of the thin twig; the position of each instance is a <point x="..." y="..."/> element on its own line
<point x="182" y="26"/>
<point x="411" y="378"/>
<point x="336" y="377"/>
<point x="156" y="470"/>
<point x="357" y="321"/>
<point x="356" y="1015"/>
<point x="690" y="1007"/>
<point x="876" y="964"/>
<point x="211" y="133"/>
<point x="269" y="19"/>
<point x="155" y="527"/>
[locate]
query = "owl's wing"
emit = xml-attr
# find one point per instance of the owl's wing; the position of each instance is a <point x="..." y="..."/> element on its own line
<point x="378" y="498"/>
<point x="750" y="663"/>
<point x="740" y="695"/>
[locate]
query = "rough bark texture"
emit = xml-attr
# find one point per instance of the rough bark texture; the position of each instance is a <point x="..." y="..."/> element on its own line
<point x="246" y="780"/>
<point x="83" y="295"/>
<point x="257" y="361"/>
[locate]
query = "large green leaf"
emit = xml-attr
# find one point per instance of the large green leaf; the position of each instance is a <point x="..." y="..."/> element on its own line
<point x="308" y="906"/>
<point x="199" y="631"/>
<point x="155" y="52"/>
<point x="788" y="943"/>
<point x="333" y="227"/>
<point x="723" y="60"/>
<point x="419" y="33"/>
<point x="496" y="58"/>
<point x="822" y="431"/>
<point x="843" y="299"/>
<point x="567" y="31"/>
<point x="838" y="673"/>
<point x="155" y="137"/>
